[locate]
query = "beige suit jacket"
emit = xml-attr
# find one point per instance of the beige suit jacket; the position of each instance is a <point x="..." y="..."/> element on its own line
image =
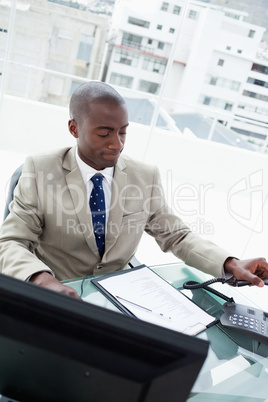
<point x="50" y="226"/>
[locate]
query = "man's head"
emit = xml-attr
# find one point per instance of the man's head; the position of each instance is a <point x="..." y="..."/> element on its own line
<point x="98" y="120"/>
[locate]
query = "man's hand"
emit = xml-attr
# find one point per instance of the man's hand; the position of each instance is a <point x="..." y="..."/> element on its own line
<point x="48" y="281"/>
<point x="253" y="270"/>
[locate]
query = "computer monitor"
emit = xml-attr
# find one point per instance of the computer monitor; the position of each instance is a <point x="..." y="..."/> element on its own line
<point x="57" y="348"/>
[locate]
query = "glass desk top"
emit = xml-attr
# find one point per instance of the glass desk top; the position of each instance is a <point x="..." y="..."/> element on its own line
<point x="236" y="368"/>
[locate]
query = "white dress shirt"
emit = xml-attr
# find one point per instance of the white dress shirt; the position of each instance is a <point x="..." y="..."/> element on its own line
<point x="87" y="172"/>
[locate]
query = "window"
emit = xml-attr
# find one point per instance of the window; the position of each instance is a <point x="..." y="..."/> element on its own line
<point x="85" y="47"/>
<point x="121" y="80"/>
<point x="257" y="82"/>
<point x="259" y="68"/>
<point x="215" y="102"/>
<point x="253" y="108"/>
<point x="176" y="10"/>
<point x="220" y="62"/>
<point x="207" y="100"/>
<point x="256" y="96"/>
<point x="126" y="57"/>
<point x="213" y="81"/>
<point x="147" y="86"/>
<point x="228" y="106"/>
<point x="154" y="65"/>
<point x="224" y="82"/>
<point x="138" y="22"/>
<point x="164" y="6"/>
<point x="161" y="45"/>
<point x="131" y="40"/>
<point x="251" y="33"/>
<point x="228" y="47"/>
<point x="3" y="30"/>
<point x="171" y="30"/>
<point x="239" y="51"/>
<point x="159" y="27"/>
<point x="192" y="15"/>
<point x="150" y="41"/>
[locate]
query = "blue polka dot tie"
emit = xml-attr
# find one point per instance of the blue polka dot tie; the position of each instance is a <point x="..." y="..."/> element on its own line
<point x="97" y="206"/>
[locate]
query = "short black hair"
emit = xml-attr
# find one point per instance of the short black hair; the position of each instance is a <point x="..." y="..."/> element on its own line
<point x="89" y="93"/>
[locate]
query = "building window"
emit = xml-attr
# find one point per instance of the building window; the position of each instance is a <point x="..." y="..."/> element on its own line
<point x="228" y="47"/>
<point x="138" y="22"/>
<point x="154" y="65"/>
<point x="255" y="96"/>
<point x="164" y="6"/>
<point x="213" y="81"/>
<point x="253" y="109"/>
<point x="161" y="45"/>
<point x="85" y="47"/>
<point x="147" y="86"/>
<point x="171" y="30"/>
<point x="224" y="82"/>
<point x="239" y="51"/>
<point x="215" y="102"/>
<point x="150" y="41"/>
<point x="257" y="82"/>
<point x="126" y="57"/>
<point x="131" y="40"/>
<point x="121" y="80"/>
<point x="159" y="27"/>
<point x="228" y="106"/>
<point x="259" y="68"/>
<point x="176" y="10"/>
<point x="251" y="33"/>
<point x="220" y="62"/>
<point x="192" y="15"/>
<point x="3" y="30"/>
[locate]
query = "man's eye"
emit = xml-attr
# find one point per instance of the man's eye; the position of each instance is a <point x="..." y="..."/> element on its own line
<point x="103" y="135"/>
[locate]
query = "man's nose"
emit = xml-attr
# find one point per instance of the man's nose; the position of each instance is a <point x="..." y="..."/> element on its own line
<point x="116" y="142"/>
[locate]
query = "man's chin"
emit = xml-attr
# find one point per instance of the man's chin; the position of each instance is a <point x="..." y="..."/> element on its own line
<point x="111" y="160"/>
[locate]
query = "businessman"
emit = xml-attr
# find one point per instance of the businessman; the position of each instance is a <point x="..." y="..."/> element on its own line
<point x="83" y="210"/>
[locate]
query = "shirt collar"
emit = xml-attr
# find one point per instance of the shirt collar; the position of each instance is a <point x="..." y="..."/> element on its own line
<point x="88" y="171"/>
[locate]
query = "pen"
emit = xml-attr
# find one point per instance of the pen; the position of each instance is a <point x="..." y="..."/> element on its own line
<point x="144" y="308"/>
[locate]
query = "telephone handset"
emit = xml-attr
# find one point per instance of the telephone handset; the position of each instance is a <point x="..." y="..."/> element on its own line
<point x="246" y="320"/>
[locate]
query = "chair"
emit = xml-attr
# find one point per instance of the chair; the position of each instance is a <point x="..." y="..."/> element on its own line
<point x="13" y="182"/>
<point x="134" y="262"/>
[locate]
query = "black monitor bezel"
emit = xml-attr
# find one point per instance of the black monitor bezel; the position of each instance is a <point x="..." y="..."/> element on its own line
<point x="36" y="320"/>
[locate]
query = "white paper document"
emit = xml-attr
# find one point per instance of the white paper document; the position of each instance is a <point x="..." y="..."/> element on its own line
<point x="151" y="298"/>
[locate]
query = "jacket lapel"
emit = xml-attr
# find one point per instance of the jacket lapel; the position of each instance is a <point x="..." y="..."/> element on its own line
<point x="79" y="197"/>
<point x="117" y="205"/>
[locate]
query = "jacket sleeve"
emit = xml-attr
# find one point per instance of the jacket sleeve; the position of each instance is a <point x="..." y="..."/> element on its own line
<point x="19" y="233"/>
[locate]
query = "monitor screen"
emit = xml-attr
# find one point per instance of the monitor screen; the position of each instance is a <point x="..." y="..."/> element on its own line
<point x="57" y="348"/>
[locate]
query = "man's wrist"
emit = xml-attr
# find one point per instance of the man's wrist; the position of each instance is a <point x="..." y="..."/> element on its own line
<point x="230" y="265"/>
<point x="32" y="277"/>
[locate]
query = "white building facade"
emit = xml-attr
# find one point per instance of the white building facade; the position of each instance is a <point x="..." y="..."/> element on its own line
<point x="51" y="47"/>
<point x="215" y="65"/>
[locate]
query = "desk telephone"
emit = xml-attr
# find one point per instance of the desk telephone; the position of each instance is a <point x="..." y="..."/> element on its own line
<point x="246" y="320"/>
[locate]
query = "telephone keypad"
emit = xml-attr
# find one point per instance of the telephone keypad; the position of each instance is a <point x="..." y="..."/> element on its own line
<point x="248" y="321"/>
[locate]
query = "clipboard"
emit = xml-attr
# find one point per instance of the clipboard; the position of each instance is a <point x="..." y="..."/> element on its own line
<point x="142" y="293"/>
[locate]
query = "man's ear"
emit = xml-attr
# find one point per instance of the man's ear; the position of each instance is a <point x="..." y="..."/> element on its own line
<point x="72" y="125"/>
